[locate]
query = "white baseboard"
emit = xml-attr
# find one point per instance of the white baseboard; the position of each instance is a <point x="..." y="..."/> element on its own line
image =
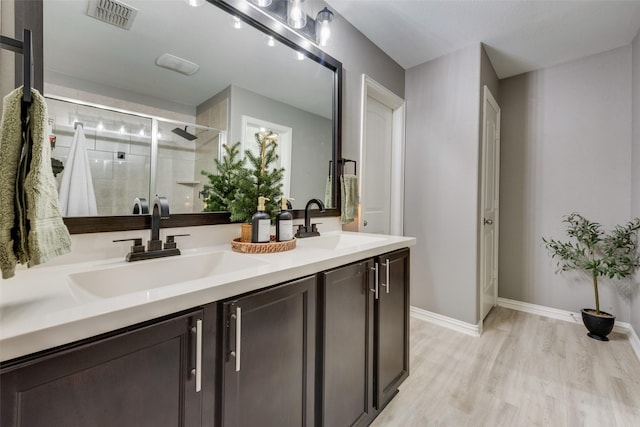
<point x="569" y="316"/>
<point x="447" y="322"/>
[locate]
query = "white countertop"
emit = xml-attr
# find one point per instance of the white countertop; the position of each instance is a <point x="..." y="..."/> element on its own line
<point x="39" y="309"/>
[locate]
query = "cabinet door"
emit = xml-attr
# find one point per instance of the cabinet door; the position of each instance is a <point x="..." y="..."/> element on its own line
<point x="392" y="325"/>
<point x="269" y="357"/>
<point x="136" y="378"/>
<point x="347" y="335"/>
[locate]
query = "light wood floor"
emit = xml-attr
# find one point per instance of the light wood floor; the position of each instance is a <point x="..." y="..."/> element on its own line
<point x="525" y="370"/>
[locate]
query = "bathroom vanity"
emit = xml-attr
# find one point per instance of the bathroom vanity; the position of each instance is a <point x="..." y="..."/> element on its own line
<point x="316" y="336"/>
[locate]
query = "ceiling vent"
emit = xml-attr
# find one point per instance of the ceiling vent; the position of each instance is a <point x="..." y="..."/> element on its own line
<point x="112" y="12"/>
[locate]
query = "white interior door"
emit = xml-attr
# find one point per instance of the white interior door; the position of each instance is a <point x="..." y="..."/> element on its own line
<point x="376" y="170"/>
<point x="250" y="126"/>
<point x="490" y="203"/>
<point x="381" y="165"/>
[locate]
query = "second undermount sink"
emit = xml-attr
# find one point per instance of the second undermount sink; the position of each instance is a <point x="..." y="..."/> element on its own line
<point x="339" y="241"/>
<point x="147" y="275"/>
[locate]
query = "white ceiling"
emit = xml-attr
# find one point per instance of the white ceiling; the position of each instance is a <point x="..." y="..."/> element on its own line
<point x="519" y="35"/>
<point x="79" y="48"/>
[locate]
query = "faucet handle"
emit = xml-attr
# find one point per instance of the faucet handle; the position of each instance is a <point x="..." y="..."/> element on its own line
<point x="171" y="243"/>
<point x="137" y="246"/>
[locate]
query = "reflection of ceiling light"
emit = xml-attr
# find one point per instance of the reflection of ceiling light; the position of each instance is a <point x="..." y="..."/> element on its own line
<point x="271" y="42"/>
<point x="159" y="135"/>
<point x="194" y="3"/>
<point x="299" y="56"/>
<point x="262" y="3"/>
<point x="237" y="23"/>
<point x="122" y="129"/>
<point x="177" y="64"/>
<point x="100" y="126"/>
<point x="296" y="16"/>
<point x="323" y="19"/>
<point x="141" y="133"/>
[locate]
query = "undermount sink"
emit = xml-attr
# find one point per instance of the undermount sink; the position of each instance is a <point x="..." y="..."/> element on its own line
<point x="153" y="274"/>
<point x="338" y="241"/>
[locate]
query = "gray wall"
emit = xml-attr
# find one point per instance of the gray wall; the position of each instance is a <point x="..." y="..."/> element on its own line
<point x="441" y="188"/>
<point x="359" y="56"/>
<point x="311" y="144"/>
<point x="635" y="167"/>
<point x="565" y="146"/>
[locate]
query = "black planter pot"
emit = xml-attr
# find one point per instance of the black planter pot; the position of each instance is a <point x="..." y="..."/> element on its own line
<point x="599" y="326"/>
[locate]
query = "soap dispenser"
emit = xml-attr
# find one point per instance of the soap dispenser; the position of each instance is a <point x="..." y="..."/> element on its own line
<point x="284" y="222"/>
<point x="260" y="223"/>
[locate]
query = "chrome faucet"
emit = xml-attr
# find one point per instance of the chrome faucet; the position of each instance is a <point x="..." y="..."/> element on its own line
<point x="308" y="229"/>
<point x="155" y="248"/>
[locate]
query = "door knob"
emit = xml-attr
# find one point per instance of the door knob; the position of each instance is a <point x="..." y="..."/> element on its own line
<point x="365" y="223"/>
<point x="488" y="221"/>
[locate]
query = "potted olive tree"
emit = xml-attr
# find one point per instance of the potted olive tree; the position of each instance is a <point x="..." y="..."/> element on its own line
<point x="612" y="254"/>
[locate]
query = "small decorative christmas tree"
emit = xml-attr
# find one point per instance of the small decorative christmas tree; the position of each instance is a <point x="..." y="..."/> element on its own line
<point x="258" y="179"/>
<point x="222" y="186"/>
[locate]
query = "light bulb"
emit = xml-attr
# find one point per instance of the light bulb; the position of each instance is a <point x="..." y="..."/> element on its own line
<point x="323" y="20"/>
<point x="325" y="33"/>
<point x="194" y="3"/>
<point x="296" y="18"/>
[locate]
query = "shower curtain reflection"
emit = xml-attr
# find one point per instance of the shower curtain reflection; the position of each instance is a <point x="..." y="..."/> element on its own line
<point x="77" y="196"/>
<point x="118" y="148"/>
<point x="133" y="155"/>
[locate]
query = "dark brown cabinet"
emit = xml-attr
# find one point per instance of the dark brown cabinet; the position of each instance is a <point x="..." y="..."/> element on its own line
<point x="347" y="300"/>
<point x="392" y="325"/>
<point x="329" y="349"/>
<point x="139" y="377"/>
<point x="268" y="376"/>
<point x="364" y="338"/>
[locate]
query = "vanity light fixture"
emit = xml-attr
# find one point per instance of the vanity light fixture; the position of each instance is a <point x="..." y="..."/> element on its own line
<point x="323" y="21"/>
<point x="292" y="14"/>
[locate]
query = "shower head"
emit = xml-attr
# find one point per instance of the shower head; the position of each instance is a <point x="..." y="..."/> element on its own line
<point x="184" y="134"/>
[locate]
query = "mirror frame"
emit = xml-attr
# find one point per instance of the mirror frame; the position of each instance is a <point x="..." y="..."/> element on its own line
<point x="255" y="18"/>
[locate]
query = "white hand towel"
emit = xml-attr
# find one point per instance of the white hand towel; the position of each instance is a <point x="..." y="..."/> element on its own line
<point x="77" y="196"/>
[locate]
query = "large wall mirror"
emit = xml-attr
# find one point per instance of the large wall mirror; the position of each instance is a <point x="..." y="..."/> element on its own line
<point x="253" y="73"/>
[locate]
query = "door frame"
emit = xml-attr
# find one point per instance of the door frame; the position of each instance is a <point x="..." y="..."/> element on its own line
<point x="488" y="99"/>
<point x="373" y="89"/>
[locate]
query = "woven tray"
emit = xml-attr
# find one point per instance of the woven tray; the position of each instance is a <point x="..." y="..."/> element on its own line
<point x="262" y="248"/>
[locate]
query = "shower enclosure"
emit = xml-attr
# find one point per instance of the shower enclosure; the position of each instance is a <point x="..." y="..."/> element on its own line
<point x="134" y="155"/>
